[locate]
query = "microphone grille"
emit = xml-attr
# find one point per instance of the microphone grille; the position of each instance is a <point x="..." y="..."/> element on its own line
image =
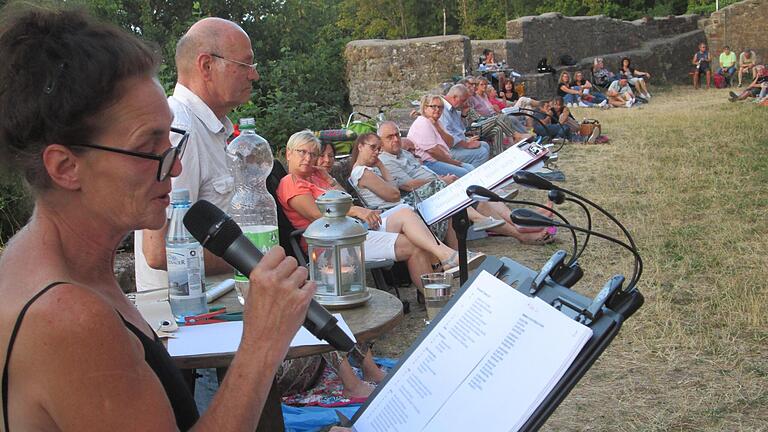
<point x="213" y="228"/>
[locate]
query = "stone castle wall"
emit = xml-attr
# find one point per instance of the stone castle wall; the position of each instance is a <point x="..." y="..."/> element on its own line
<point x="552" y="35"/>
<point x="384" y="73"/>
<point x="740" y="25"/>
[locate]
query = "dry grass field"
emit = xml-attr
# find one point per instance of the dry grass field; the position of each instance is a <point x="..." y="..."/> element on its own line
<point x="687" y="174"/>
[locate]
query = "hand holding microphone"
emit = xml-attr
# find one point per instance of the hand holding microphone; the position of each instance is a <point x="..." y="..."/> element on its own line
<point x="276" y="274"/>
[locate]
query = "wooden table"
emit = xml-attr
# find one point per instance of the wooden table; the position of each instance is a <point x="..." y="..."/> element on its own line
<point x="377" y="316"/>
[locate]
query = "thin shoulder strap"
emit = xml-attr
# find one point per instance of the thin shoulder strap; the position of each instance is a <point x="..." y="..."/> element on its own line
<point x="15" y="331"/>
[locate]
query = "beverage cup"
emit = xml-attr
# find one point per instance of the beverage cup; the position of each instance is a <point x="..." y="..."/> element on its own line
<point x="437" y="292"/>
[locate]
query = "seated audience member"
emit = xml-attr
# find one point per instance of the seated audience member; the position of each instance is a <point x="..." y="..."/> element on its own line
<point x="571" y="96"/>
<point x="498" y="104"/>
<point x="637" y="78"/>
<point x="431" y="140"/>
<point x="755" y="87"/>
<point x="470" y="150"/>
<point x="701" y="61"/>
<point x="557" y="119"/>
<point x="588" y="91"/>
<point x="727" y="67"/>
<point x="479" y="100"/>
<point x="508" y="93"/>
<point x="491" y="123"/>
<point x="620" y="94"/>
<point x="601" y="75"/>
<point x="402" y="236"/>
<point x="417" y="182"/>
<point x="747" y="63"/>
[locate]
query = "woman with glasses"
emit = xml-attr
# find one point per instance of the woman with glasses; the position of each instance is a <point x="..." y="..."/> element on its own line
<point x="401" y="236"/>
<point x="430" y="138"/>
<point x="89" y="131"/>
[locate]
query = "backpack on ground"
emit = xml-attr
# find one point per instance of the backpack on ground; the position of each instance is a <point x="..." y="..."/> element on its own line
<point x="544" y="67"/>
<point x="719" y="80"/>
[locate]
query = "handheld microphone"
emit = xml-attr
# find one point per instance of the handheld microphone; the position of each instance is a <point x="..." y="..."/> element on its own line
<point x="218" y="233"/>
<point x="528" y="217"/>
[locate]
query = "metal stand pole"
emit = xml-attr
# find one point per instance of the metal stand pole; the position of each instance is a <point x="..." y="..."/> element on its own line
<point x="460" y="222"/>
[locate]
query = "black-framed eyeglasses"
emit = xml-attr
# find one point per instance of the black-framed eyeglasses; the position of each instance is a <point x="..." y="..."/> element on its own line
<point x="165" y="160"/>
<point x="249" y="66"/>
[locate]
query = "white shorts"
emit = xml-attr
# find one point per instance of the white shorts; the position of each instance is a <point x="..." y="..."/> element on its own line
<point x="380" y="245"/>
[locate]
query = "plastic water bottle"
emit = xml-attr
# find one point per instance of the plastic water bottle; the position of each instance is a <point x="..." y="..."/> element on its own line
<point x="186" y="267"/>
<point x="252" y="207"/>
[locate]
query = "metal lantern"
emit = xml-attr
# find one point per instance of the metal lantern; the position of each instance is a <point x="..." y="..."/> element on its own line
<point x="336" y="254"/>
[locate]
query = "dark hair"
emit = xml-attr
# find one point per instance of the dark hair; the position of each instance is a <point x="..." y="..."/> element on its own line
<point x="362" y="139"/>
<point x="325" y="144"/>
<point x="61" y="69"/>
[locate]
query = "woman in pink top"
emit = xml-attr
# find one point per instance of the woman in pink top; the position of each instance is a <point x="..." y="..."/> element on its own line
<point x="430" y="138"/>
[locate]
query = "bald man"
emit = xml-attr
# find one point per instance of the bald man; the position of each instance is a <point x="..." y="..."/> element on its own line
<point x="214" y="60"/>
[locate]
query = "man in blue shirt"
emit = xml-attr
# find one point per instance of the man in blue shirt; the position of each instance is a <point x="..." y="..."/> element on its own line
<point x="466" y="149"/>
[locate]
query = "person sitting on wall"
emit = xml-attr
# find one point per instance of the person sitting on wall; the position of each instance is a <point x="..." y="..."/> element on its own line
<point x="727" y="67"/>
<point x="747" y="63"/>
<point x="637" y="78"/>
<point x="488" y="64"/>
<point x="701" y="61"/>
<point x="600" y="74"/>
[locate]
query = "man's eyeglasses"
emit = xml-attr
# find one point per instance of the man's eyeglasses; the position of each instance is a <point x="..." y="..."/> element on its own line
<point x="165" y="160"/>
<point x="249" y="66"/>
<point x="391" y="136"/>
<point x="304" y="153"/>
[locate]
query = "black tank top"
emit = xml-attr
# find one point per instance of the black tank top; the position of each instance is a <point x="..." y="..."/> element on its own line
<point x="156" y="356"/>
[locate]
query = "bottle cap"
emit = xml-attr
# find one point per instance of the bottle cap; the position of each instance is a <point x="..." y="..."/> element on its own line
<point x="180" y="195"/>
<point x="247" y="123"/>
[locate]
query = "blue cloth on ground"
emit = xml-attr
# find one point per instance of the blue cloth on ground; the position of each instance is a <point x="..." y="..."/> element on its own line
<point x="313" y="418"/>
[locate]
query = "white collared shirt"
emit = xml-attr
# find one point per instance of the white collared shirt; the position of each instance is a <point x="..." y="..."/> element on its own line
<point x="204" y="168"/>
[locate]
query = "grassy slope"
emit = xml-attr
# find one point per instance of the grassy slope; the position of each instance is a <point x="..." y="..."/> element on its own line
<point x="687" y="175"/>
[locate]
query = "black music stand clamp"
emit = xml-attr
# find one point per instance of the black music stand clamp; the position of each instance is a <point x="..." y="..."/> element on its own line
<point x="460" y="221"/>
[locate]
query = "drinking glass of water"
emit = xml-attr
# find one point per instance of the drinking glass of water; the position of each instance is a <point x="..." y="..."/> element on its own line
<point x="437" y="292"/>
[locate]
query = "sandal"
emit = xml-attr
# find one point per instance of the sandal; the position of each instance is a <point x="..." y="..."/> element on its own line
<point x="452" y="264"/>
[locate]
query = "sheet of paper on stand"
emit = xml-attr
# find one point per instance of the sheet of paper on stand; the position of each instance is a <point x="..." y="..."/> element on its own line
<point x="222" y="338"/>
<point x="488" y="175"/>
<point x="486" y="365"/>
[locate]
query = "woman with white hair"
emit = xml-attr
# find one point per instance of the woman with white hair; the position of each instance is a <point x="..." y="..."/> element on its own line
<point x="401" y="236"/>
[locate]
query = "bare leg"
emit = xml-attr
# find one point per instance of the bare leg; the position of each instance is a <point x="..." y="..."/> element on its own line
<point x="371" y="371"/>
<point x="354" y="387"/>
<point x="418" y="261"/>
<point x="407" y="223"/>
<point x="695" y="79"/>
<point x="709" y="79"/>
<point x="450" y="236"/>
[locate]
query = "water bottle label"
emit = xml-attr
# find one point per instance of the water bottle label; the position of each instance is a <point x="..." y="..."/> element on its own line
<point x="185" y="272"/>
<point x="264" y="237"/>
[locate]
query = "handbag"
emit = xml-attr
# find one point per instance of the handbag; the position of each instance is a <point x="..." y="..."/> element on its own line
<point x="590" y="129"/>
